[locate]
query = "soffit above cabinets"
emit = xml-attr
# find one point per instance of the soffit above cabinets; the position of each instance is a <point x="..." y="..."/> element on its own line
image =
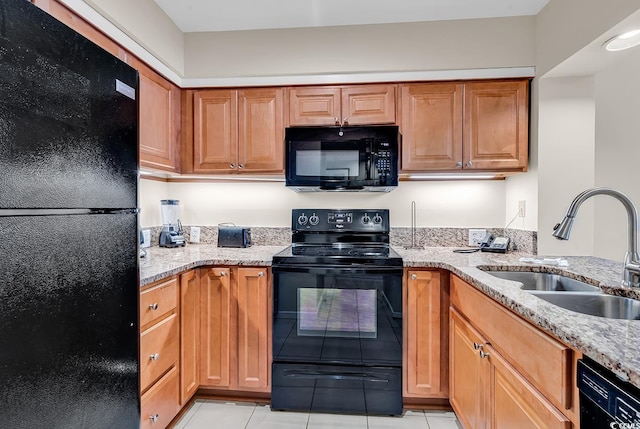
<point x="208" y="15"/>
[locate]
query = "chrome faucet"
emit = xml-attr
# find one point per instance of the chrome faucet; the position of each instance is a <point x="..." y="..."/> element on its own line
<point x="631" y="270"/>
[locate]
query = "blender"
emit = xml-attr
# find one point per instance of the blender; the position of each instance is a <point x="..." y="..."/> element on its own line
<point x="171" y="234"/>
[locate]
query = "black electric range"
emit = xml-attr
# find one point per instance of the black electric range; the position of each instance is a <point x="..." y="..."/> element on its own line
<point x="337" y="315"/>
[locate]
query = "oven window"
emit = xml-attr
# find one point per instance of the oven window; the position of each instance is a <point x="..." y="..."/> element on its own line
<point x="337" y="312"/>
<point x="328" y="163"/>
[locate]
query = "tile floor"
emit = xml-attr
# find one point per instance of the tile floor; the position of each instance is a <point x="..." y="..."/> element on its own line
<point x="205" y="414"/>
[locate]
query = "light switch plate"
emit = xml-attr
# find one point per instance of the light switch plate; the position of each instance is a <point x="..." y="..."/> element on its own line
<point x="194" y="235"/>
<point x="146" y="238"/>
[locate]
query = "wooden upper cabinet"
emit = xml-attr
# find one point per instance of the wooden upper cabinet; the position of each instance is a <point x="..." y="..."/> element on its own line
<point x="238" y="131"/>
<point x="465" y="126"/>
<point x="215" y="124"/>
<point x="346" y="105"/>
<point x="496" y="131"/>
<point x="431" y="126"/>
<point x="159" y="121"/>
<point x="261" y="130"/>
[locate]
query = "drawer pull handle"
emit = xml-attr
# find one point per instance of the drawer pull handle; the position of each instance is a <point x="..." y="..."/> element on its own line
<point x="155" y="356"/>
<point x="483" y="354"/>
<point x="477" y="346"/>
<point x="260" y="274"/>
<point x="154" y="418"/>
<point x="153" y="306"/>
<point x="223" y="273"/>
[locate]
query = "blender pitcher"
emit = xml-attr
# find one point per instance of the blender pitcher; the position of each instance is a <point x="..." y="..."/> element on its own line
<point x="171" y="234"/>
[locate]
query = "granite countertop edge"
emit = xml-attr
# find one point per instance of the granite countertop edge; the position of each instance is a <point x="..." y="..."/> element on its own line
<point x="613" y="343"/>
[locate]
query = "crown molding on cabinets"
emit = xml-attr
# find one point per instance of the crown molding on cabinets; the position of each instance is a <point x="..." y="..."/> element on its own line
<point x="373" y="77"/>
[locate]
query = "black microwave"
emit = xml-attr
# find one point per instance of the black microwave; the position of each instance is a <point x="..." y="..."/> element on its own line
<point x="348" y="158"/>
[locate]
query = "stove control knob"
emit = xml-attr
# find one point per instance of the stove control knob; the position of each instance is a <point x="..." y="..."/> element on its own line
<point x="302" y="219"/>
<point x="366" y="219"/>
<point x="377" y="219"/>
<point x="314" y="219"/>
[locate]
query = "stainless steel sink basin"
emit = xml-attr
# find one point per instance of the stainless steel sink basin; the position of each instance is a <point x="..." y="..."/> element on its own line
<point x="613" y="307"/>
<point x="545" y="281"/>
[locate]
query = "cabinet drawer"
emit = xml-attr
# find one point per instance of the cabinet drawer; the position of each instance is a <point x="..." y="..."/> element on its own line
<point x="159" y="349"/>
<point x="158" y="301"/>
<point x="161" y="403"/>
<point x="543" y="360"/>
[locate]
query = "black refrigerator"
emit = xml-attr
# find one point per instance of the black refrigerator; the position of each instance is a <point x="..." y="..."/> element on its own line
<point x="68" y="228"/>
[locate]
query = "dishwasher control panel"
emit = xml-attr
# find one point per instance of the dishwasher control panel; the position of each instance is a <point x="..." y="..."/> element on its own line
<point x="615" y="397"/>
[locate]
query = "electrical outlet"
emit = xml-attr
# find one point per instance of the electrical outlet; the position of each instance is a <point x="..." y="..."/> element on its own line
<point x="194" y="235"/>
<point x="146" y="238"/>
<point x="476" y="236"/>
<point x="522" y="204"/>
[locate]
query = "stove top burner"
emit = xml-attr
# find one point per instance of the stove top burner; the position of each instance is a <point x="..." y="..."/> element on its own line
<point x="352" y="249"/>
<point x="339" y="237"/>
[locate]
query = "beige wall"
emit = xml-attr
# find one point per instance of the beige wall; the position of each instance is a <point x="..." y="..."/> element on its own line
<point x="442" y="45"/>
<point x="147" y="24"/>
<point x="566" y="152"/>
<point x="438" y="204"/>
<point x="617" y="151"/>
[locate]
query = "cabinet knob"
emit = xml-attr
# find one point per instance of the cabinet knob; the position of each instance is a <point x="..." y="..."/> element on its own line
<point x="154" y="417"/>
<point x="345" y="121"/>
<point x="468" y="164"/>
<point x="477" y="346"/>
<point x="459" y="164"/>
<point x="260" y="274"/>
<point x="413" y="276"/>
<point x="240" y="166"/>
<point x="155" y="356"/>
<point x="153" y="306"/>
<point x="483" y="354"/>
<point x="232" y="165"/>
<point x="337" y="121"/>
<point x="223" y="273"/>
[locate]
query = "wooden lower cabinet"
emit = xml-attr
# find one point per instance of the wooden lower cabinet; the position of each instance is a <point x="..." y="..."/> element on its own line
<point x="235" y="329"/>
<point x="497" y="385"/>
<point x="426" y="298"/>
<point x="189" y="334"/>
<point x="159" y="353"/>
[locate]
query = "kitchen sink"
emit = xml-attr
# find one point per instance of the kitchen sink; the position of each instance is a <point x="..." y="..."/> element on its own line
<point x="545" y="282"/>
<point x="595" y="304"/>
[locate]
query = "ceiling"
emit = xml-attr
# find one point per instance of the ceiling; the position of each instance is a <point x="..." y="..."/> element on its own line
<point x="216" y="15"/>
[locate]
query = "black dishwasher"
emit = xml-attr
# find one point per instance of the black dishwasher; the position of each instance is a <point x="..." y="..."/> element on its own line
<point x="606" y="401"/>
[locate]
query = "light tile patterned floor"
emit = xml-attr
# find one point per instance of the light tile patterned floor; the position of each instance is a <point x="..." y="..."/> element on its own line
<point x="240" y="415"/>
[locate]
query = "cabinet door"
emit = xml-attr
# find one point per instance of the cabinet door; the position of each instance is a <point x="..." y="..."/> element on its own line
<point x="254" y="330"/>
<point x="496" y="129"/>
<point x="369" y="104"/>
<point x="469" y="387"/>
<point x="215" y="133"/>
<point x="431" y="126"/>
<point x="516" y="403"/>
<point x="216" y="328"/>
<point x="314" y="105"/>
<point x="159" y="122"/>
<point x="425" y="370"/>
<point x="189" y="334"/>
<point x="261" y="130"/>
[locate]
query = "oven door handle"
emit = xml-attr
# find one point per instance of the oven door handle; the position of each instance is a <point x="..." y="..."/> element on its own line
<point x="332" y="269"/>
<point x="332" y="375"/>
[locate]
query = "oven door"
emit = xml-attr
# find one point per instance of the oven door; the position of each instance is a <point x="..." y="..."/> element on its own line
<point x="338" y="315"/>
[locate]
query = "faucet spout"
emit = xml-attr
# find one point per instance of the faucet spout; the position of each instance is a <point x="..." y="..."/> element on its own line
<point x="631" y="273"/>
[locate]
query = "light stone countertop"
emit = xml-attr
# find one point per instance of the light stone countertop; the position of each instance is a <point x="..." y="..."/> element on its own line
<point x="611" y="342"/>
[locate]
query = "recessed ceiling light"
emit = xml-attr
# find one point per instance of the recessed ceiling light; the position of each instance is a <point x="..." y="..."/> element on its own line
<point x="623" y="41"/>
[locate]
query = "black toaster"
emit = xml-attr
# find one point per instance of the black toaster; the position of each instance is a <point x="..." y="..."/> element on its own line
<point x="234" y="236"/>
